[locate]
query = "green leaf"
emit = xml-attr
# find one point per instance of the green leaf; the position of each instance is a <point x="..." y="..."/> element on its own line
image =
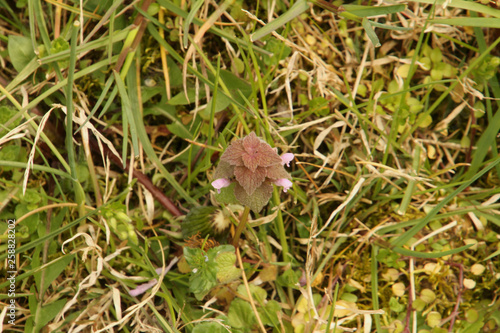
<point x="279" y="51"/>
<point x="370" y="32"/>
<point x="20" y="51"/>
<point x="395" y="305"/>
<point x="180" y="98"/>
<point x="194" y="9"/>
<point x="128" y="114"/>
<point x="226" y="195"/>
<point x="241" y="315"/>
<point x="209" y="328"/>
<point x="367" y="11"/>
<point x="193" y="256"/>
<point x="6" y="114"/>
<point x="180" y="130"/>
<point x="258" y="294"/>
<point x="225" y="259"/>
<point x="202" y="281"/>
<point x="49" y="312"/>
<point x="389" y="27"/>
<point x="205" y="267"/>
<point x="259" y="198"/>
<point x="494" y="254"/>
<point x="269" y="313"/>
<point x="31" y="222"/>
<point x="289" y="278"/>
<point x="53" y="270"/>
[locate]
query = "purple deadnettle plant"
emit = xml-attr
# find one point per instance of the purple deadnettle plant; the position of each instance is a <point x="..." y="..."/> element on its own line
<point x="254" y="166"/>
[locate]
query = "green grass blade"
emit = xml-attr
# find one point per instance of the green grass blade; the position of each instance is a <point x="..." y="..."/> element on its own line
<point x="128" y="113"/>
<point x="482" y="22"/>
<point x="370" y="32"/>
<point x="22" y="165"/>
<point x="401" y="240"/>
<point x="298" y="8"/>
<point x="467" y="5"/>
<point x="169" y="5"/>
<point x="189" y="19"/>
<point x="367" y="11"/>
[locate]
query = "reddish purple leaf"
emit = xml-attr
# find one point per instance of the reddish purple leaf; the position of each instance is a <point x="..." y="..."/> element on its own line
<point x="250" y="180"/>
<point x="277" y="171"/>
<point x="234" y="153"/>
<point x="258" y="153"/>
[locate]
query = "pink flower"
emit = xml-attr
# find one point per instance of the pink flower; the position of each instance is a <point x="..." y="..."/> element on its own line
<point x="220" y="183"/>
<point x="286" y="159"/>
<point x="283" y="182"/>
<point x="141" y="289"/>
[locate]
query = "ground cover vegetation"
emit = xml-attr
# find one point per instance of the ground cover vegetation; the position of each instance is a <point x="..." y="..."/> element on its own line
<point x="249" y="166"/>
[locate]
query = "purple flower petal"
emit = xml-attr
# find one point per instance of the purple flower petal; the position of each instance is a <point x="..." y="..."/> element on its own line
<point x="286" y="159"/>
<point x="283" y="182"/>
<point x="141" y="289"/>
<point x="220" y="183"/>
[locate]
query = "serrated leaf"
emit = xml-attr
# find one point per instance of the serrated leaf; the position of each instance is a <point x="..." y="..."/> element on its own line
<point x="258" y="153"/>
<point x="289" y="278"/>
<point x="259" y="198"/>
<point x="220" y="249"/>
<point x="277" y="172"/>
<point x="226" y="195"/>
<point x="241" y="315"/>
<point x="269" y="313"/>
<point x="202" y="281"/>
<point x="259" y="294"/>
<point x="224" y="170"/>
<point x="193" y="256"/>
<point x="226" y="271"/>
<point x="249" y="180"/>
<point x="20" y="51"/>
<point x="234" y="152"/>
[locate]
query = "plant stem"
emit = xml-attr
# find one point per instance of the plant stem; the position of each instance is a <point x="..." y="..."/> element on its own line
<point x="241" y="226"/>
<point x="281" y="228"/>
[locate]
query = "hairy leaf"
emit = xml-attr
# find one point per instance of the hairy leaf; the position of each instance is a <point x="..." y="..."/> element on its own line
<point x="257" y="200"/>
<point x="250" y="180"/>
